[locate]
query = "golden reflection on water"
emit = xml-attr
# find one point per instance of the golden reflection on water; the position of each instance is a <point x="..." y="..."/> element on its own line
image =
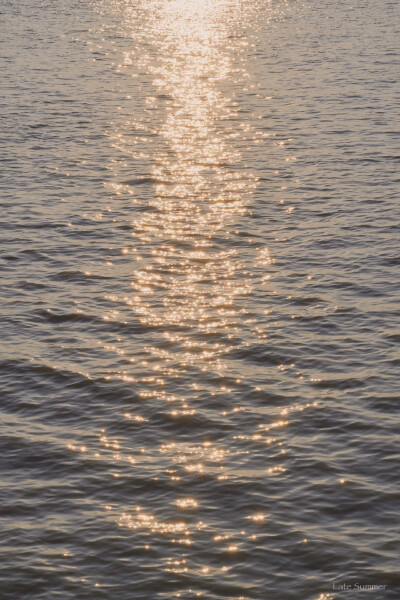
<point x="182" y="155"/>
<point x="186" y="284"/>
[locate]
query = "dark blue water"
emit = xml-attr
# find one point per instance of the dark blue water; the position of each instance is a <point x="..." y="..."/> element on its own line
<point x="199" y="299"/>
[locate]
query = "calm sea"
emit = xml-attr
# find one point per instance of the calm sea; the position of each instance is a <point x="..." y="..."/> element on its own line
<point x="199" y="299"/>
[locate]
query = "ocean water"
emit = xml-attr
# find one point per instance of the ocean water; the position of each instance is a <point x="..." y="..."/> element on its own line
<point x="199" y="299"/>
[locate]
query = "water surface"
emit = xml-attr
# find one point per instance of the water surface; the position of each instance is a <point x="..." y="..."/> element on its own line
<point x="200" y="279"/>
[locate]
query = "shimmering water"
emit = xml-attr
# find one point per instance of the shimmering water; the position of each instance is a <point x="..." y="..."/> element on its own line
<point x="200" y="278"/>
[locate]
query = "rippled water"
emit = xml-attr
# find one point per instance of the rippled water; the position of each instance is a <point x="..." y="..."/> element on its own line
<point x="200" y="278"/>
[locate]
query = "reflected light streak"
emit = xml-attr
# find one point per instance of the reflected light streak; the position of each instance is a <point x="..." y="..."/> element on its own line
<point x="189" y="280"/>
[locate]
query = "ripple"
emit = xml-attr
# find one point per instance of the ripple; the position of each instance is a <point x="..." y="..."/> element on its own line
<point x="199" y="357"/>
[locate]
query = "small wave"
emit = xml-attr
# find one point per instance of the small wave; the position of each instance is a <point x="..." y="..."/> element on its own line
<point x="78" y="276"/>
<point x="141" y="181"/>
